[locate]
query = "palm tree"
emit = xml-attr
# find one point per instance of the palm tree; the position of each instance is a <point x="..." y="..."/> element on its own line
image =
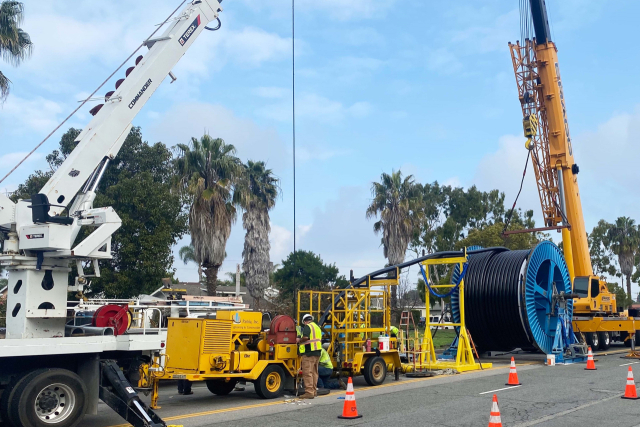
<point x="15" y="44"/>
<point x="395" y="200"/>
<point x="188" y="254"/>
<point x="624" y="239"/>
<point x="257" y="196"/>
<point x="207" y="174"/>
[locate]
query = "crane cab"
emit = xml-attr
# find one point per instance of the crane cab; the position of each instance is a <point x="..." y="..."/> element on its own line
<point x="594" y="296"/>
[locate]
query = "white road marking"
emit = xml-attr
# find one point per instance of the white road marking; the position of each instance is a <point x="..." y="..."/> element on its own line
<point x="632" y="363"/>
<point x="568" y="411"/>
<point x="500" y="389"/>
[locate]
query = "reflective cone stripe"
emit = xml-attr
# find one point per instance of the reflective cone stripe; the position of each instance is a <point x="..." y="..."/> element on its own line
<point x="494" y="416"/>
<point x="591" y="365"/>
<point x="630" y="390"/>
<point x="513" y="375"/>
<point x="349" y="410"/>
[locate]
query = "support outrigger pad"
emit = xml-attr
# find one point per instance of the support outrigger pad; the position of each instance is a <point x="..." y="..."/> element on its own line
<point x="422" y="374"/>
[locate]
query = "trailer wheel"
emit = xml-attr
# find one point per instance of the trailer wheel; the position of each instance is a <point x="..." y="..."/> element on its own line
<point x="375" y="371"/>
<point x="605" y="340"/>
<point x="49" y="397"/>
<point x="221" y="387"/>
<point x="593" y="340"/>
<point x="270" y="383"/>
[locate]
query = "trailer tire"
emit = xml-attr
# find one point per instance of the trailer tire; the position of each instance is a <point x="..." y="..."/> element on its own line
<point x="375" y="371"/>
<point x="49" y="397"/>
<point x="221" y="387"/>
<point x="593" y="340"/>
<point x="270" y="383"/>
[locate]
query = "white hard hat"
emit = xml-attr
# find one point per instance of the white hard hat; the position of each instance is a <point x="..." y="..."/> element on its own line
<point x="307" y="317"/>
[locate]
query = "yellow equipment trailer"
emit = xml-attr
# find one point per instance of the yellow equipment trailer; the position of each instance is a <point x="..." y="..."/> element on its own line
<point x="347" y="318"/>
<point x="226" y="348"/>
<point x="543" y="103"/>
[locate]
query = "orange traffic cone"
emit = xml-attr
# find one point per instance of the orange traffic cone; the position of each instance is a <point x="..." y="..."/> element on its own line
<point x="630" y="389"/>
<point x="513" y="375"/>
<point x="591" y="365"/>
<point x="494" y="416"/>
<point x="349" y="410"/>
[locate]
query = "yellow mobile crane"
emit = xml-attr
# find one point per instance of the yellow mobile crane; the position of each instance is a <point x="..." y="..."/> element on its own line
<point x="541" y="95"/>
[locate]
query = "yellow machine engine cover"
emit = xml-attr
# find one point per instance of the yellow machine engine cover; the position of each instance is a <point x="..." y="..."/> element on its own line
<point x="243" y="360"/>
<point x="286" y="351"/>
<point x="193" y="343"/>
<point x="244" y="322"/>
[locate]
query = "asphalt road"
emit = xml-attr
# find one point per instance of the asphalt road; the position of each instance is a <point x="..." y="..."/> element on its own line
<point x="550" y="396"/>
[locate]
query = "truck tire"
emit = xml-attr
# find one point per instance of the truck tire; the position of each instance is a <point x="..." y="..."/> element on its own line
<point x="375" y="370"/>
<point x="270" y="383"/>
<point x="221" y="387"/>
<point x="605" y="340"/>
<point x="8" y="408"/>
<point x="50" y="397"/>
<point x="593" y="340"/>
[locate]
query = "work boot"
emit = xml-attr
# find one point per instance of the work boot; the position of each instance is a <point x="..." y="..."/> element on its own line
<point x="342" y="385"/>
<point x="306" y="396"/>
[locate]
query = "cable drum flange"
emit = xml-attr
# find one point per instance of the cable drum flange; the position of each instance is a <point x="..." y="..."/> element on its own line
<point x="509" y="297"/>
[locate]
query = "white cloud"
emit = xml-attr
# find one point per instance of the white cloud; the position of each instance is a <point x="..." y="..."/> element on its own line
<point x="315" y="152"/>
<point x="272" y="92"/>
<point x="37" y="114"/>
<point x="9" y="160"/>
<point x="315" y="107"/>
<point x="341" y="234"/>
<point x="443" y="60"/>
<point x="281" y="240"/>
<point x="503" y="168"/>
<point x="184" y="121"/>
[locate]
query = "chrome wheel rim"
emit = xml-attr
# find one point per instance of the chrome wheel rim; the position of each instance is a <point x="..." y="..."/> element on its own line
<point x="55" y="403"/>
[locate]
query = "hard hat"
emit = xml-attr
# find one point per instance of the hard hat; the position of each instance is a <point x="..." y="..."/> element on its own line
<point x="361" y="316"/>
<point x="307" y="317"/>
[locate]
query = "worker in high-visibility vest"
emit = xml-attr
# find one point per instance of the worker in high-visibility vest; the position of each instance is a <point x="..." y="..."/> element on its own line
<point x="394" y="331"/>
<point x="310" y="348"/>
<point x="325" y="370"/>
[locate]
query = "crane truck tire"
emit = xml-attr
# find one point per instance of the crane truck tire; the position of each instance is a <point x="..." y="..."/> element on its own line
<point x="593" y="340"/>
<point x="221" y="387"/>
<point x="270" y="383"/>
<point x="375" y="371"/>
<point x="48" y="397"/>
<point x="605" y="340"/>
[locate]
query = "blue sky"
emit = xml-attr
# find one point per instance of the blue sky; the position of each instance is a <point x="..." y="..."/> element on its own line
<point x="423" y="86"/>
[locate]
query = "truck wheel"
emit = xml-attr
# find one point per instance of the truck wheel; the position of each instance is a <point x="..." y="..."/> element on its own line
<point x="9" y="407"/>
<point x="605" y="340"/>
<point x="375" y="370"/>
<point x="49" y="397"/>
<point x="270" y="383"/>
<point x="221" y="387"/>
<point x="593" y="340"/>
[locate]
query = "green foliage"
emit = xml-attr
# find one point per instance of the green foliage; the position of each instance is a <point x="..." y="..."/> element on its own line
<point x="137" y="184"/>
<point x="491" y="235"/>
<point x="622" y="300"/>
<point x="15" y="44"/>
<point x="304" y="270"/>
<point x="602" y="257"/>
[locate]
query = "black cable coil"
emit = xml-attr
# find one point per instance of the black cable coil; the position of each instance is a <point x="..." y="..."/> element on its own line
<point x="504" y="308"/>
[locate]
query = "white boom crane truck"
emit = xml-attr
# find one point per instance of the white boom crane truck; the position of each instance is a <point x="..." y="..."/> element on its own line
<point x="48" y="377"/>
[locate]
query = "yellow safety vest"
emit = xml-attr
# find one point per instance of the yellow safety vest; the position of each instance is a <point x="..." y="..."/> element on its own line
<point x="362" y="326"/>
<point x="314" y="343"/>
<point x="299" y="331"/>
<point x="394" y="331"/>
<point x="325" y="360"/>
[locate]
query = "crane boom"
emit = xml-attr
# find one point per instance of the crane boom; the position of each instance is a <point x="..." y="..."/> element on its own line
<point x="541" y="93"/>
<point x="105" y="134"/>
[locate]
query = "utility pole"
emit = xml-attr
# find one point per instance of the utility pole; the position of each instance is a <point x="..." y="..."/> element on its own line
<point x="237" y="280"/>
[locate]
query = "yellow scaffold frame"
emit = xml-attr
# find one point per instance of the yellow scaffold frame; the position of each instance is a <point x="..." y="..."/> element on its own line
<point x="426" y="357"/>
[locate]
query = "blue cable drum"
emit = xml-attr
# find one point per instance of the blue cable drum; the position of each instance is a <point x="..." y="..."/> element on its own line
<point x="509" y="297"/>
